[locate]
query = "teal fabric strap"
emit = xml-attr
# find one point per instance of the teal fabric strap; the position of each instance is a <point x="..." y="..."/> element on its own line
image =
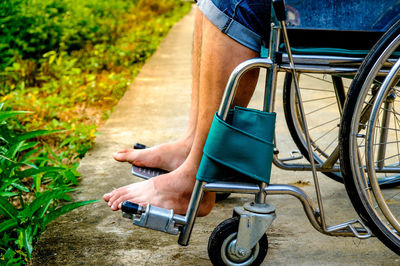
<point x="331" y="51"/>
<point x="327" y="51"/>
<point x="264" y="52"/>
<point x="321" y="51"/>
<point x="244" y="143"/>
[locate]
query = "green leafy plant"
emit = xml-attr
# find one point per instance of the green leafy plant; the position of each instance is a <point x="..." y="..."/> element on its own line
<point x="74" y="87"/>
<point x="66" y="62"/>
<point x="33" y="190"/>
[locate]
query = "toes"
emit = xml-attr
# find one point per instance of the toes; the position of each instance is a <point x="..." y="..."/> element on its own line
<point x="123" y="155"/>
<point x="120" y="195"/>
<point x="137" y="192"/>
<point x="125" y="150"/>
<point x="132" y="197"/>
<point x="116" y="194"/>
<point x="107" y="196"/>
<point x="118" y="202"/>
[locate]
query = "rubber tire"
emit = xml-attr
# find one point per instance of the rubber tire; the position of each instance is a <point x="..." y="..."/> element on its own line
<point x="287" y="86"/>
<point x="223" y="231"/>
<point x="365" y="212"/>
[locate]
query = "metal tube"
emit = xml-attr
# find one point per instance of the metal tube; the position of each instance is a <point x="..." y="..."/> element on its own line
<point x="191" y="213"/>
<point x="331" y="60"/>
<point x="179" y="219"/>
<point x="339" y="92"/>
<point x="302" y="115"/>
<point x="324" y="60"/>
<point x="384" y="131"/>
<point x="261" y="195"/>
<point x="308" y="206"/>
<point x="344" y="229"/>
<point x="320" y="69"/>
<point x="332" y="159"/>
<point x="232" y="187"/>
<point x="271" y="77"/>
<point x="233" y="81"/>
<point x="323" y="168"/>
<point x="274" y="189"/>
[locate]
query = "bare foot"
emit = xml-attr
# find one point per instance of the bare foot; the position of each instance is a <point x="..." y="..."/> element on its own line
<point x="170" y="191"/>
<point x="167" y="156"/>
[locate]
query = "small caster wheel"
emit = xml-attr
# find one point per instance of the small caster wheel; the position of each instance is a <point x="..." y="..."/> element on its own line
<point x="222" y="242"/>
<point x="220" y="196"/>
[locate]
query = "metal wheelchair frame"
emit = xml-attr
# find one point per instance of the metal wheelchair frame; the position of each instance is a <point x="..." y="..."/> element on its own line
<point x="259" y="215"/>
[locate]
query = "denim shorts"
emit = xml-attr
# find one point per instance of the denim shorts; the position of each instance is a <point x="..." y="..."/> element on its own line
<point x="246" y="21"/>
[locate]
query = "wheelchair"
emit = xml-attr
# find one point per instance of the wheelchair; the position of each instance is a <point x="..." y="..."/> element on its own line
<point x="358" y="73"/>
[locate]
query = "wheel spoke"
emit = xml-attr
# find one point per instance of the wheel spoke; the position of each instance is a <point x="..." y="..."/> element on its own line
<point x="320" y="101"/>
<point x="323" y="124"/>
<point x="322" y="108"/>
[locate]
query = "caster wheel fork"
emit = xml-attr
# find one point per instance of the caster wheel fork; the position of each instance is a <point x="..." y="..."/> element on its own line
<point x="222" y="246"/>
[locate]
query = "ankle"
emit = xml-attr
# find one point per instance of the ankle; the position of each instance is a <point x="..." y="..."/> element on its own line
<point x="187" y="142"/>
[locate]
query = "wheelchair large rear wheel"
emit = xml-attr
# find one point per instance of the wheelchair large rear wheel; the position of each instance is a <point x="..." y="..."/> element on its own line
<point x="370" y="141"/>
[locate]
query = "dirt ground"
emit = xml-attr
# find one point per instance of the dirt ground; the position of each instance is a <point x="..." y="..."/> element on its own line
<point x="154" y="111"/>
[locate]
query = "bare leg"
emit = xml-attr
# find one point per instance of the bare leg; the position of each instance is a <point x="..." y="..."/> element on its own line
<point x="170" y="156"/>
<point x="219" y="55"/>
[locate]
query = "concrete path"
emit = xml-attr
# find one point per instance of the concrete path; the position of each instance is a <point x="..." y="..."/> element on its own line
<point x="154" y="111"/>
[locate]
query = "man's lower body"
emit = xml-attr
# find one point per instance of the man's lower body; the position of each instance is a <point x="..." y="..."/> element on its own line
<point x="226" y="34"/>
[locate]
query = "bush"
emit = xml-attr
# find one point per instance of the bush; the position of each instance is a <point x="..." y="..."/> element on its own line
<point x="30" y="28"/>
<point x="67" y="62"/>
<point x="34" y="183"/>
<point x="75" y="90"/>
